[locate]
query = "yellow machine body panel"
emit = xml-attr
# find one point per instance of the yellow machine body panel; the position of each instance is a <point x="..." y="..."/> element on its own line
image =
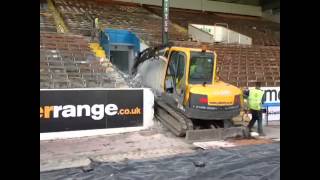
<point x="218" y="92"/>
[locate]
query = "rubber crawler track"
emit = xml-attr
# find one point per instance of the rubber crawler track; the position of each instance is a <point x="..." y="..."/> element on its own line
<point x="173" y="120"/>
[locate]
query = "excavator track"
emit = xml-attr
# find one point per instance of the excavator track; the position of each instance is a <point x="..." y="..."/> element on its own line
<point x="173" y="120"/>
<point x="181" y="126"/>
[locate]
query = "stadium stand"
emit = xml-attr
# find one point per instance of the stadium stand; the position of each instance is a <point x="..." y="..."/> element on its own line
<point x="263" y="32"/>
<point x="117" y="15"/>
<point x="66" y="61"/>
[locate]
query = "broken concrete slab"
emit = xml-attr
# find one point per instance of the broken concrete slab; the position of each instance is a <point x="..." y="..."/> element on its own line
<point x="252" y="141"/>
<point x="213" y="144"/>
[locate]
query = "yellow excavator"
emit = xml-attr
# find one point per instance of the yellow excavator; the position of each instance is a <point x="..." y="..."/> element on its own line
<point x="190" y="100"/>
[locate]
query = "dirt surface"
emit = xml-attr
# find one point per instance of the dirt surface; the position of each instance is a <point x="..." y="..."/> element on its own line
<point x="272" y="134"/>
<point x="148" y="144"/>
<point x="242" y="142"/>
<point x="65" y="153"/>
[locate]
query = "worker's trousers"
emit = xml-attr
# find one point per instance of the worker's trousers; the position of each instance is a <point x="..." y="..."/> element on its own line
<point x="94" y="33"/>
<point x="256" y="116"/>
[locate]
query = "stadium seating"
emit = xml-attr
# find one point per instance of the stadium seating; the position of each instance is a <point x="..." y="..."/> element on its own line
<point x="116" y="15"/>
<point x="66" y="61"/>
<point x="262" y="32"/>
<point x="46" y="18"/>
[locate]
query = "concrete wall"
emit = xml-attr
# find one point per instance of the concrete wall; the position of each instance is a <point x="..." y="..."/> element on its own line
<point x="206" y="5"/>
<point x="199" y="35"/>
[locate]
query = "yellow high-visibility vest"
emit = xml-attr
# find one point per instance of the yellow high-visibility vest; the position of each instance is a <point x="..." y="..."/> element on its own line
<point x="192" y="70"/>
<point x="255" y="99"/>
<point x="96" y="21"/>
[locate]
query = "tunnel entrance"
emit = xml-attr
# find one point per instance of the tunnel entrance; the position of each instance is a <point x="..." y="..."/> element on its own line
<point x="122" y="57"/>
<point x="121" y="47"/>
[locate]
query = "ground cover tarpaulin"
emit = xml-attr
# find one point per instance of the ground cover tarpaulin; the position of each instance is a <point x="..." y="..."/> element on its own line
<point x="253" y="162"/>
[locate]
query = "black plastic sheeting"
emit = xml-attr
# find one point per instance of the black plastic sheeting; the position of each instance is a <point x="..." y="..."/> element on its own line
<point x="254" y="162"/>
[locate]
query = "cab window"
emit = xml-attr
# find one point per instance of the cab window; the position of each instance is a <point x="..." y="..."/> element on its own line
<point x="175" y="71"/>
<point x="201" y="68"/>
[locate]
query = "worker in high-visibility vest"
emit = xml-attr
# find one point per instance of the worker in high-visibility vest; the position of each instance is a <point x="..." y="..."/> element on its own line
<point x="95" y="28"/>
<point x="255" y="99"/>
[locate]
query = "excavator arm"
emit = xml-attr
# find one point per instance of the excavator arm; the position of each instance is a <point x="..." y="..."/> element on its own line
<point x="147" y="54"/>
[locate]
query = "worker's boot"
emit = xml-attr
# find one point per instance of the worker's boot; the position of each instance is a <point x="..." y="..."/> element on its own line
<point x="262" y="134"/>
